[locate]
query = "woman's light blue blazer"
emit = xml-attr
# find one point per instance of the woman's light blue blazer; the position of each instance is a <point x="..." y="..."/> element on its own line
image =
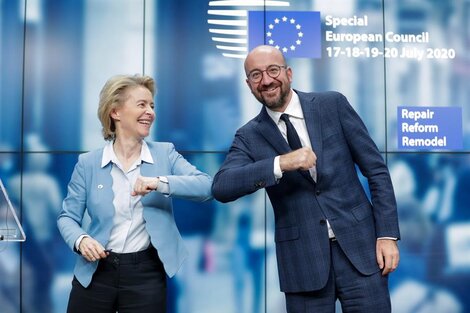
<point x="90" y="189"/>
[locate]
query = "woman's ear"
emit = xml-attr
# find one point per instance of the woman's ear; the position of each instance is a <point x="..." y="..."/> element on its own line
<point x="114" y="115"/>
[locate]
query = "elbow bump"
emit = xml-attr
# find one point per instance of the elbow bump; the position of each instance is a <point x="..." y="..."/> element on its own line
<point x="219" y="196"/>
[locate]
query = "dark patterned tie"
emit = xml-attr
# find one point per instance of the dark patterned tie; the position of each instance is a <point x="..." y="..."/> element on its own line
<point x="294" y="141"/>
<point x="292" y="136"/>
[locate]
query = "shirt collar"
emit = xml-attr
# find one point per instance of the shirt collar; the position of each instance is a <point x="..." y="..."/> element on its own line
<point x="293" y="109"/>
<point x="110" y="156"/>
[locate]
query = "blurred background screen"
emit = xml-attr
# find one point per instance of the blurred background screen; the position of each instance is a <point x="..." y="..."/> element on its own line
<point x="56" y="55"/>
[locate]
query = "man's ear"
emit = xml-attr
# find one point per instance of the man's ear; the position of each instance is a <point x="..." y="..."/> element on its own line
<point x="289" y="74"/>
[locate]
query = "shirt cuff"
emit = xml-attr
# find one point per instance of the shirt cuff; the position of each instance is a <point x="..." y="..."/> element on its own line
<point x="77" y="243"/>
<point x="163" y="186"/>
<point x="277" y="168"/>
<point x="389" y="238"/>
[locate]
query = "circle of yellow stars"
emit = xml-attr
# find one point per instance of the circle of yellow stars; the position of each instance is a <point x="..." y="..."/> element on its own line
<point x="291" y="21"/>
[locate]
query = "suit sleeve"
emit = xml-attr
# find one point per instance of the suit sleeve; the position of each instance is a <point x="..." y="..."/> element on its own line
<point x="371" y="164"/>
<point x="241" y="174"/>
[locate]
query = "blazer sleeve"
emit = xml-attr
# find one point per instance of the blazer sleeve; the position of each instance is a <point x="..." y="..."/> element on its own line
<point x="70" y="217"/>
<point x="240" y="173"/>
<point x="186" y="181"/>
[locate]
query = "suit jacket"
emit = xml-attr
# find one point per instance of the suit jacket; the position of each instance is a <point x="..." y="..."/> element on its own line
<point x="340" y="141"/>
<point x="90" y="189"/>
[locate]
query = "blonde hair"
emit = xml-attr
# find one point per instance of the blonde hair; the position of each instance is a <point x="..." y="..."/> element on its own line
<point x="113" y="95"/>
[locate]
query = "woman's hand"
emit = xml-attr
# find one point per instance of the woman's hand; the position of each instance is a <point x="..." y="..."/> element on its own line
<point x="92" y="250"/>
<point x="144" y="185"/>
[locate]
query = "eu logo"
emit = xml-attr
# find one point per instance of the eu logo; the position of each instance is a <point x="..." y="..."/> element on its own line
<point x="296" y="33"/>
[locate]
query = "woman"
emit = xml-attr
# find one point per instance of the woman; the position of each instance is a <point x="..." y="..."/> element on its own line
<point x="132" y="241"/>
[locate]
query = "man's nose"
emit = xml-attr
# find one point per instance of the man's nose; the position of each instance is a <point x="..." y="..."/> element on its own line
<point x="266" y="79"/>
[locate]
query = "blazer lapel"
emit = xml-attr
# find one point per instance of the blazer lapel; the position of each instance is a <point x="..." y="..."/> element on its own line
<point x="150" y="170"/>
<point x="103" y="176"/>
<point x="102" y="183"/>
<point x="313" y="123"/>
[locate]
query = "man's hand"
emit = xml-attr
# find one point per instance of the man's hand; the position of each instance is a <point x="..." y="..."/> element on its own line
<point x="387" y="255"/>
<point x="91" y="249"/>
<point x="301" y="159"/>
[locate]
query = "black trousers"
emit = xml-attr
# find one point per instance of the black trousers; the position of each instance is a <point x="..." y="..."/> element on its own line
<point x="124" y="283"/>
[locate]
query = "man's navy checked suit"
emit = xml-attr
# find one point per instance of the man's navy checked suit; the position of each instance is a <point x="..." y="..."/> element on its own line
<point x="340" y="141"/>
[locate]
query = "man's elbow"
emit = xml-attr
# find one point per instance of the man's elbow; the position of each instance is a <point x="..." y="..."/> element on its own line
<point x="220" y="194"/>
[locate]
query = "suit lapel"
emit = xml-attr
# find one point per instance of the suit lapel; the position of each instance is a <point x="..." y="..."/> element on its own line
<point x="269" y="130"/>
<point x="313" y="122"/>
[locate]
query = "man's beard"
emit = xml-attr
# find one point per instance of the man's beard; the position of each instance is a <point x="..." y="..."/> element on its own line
<point x="275" y="103"/>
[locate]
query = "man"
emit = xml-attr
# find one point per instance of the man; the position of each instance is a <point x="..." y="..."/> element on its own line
<point x="331" y="241"/>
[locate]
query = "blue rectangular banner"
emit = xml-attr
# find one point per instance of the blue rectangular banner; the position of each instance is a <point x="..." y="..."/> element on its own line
<point x="429" y="128"/>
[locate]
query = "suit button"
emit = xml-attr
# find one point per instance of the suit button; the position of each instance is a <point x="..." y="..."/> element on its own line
<point x="322" y="222"/>
<point x="260" y="184"/>
<point x="318" y="192"/>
